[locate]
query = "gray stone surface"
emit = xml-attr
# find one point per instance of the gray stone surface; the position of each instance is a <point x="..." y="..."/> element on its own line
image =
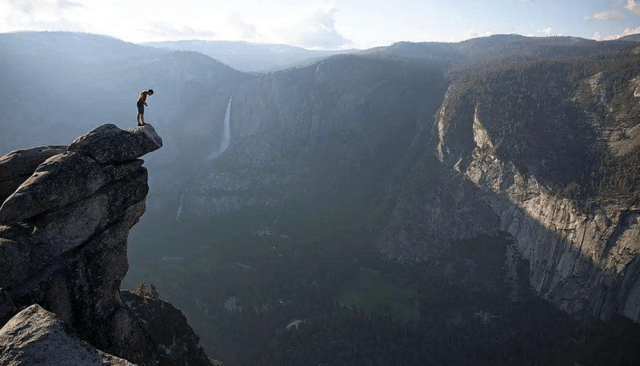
<point x="109" y="144"/>
<point x="36" y="337"/>
<point x="59" y="181"/>
<point x="17" y="166"/>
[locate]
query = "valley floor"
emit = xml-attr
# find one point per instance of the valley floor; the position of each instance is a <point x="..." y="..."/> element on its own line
<point x="298" y="292"/>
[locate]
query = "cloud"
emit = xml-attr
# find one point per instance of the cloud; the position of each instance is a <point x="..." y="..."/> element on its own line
<point x="32" y="7"/>
<point x="608" y="15"/>
<point x="42" y="15"/>
<point x="24" y="6"/>
<point x="617" y="13"/>
<point x="64" y="4"/>
<point x="62" y="24"/>
<point x="548" y="32"/>
<point x="317" y="29"/>
<point x="248" y="31"/>
<point x="471" y="33"/>
<point x="633" y="6"/>
<point x="172" y="31"/>
<point x="627" y="32"/>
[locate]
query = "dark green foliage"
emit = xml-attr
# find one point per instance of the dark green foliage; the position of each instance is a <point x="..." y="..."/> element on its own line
<point x="620" y="178"/>
<point x="554" y="119"/>
<point x="306" y="275"/>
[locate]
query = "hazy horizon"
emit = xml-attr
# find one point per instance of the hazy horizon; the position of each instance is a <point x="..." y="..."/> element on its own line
<point x="158" y="43"/>
<point x="325" y="25"/>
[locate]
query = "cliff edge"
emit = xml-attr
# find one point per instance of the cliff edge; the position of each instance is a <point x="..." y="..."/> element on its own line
<point x="64" y="221"/>
<point x="556" y="159"/>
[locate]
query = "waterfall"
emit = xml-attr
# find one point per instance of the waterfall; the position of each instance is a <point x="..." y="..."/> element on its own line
<point x="179" y="213"/>
<point x="226" y="138"/>
<point x="227" y="128"/>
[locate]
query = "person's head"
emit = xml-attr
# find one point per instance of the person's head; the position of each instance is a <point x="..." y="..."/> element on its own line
<point x="150" y="91"/>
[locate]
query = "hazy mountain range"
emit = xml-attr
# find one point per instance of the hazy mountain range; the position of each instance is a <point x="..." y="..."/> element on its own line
<point x="249" y="57"/>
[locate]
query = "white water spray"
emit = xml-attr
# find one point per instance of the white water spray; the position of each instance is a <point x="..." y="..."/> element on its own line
<point x="226" y="138"/>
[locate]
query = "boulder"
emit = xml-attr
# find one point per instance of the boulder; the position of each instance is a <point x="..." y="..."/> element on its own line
<point x="109" y="144"/>
<point x="36" y="337"/>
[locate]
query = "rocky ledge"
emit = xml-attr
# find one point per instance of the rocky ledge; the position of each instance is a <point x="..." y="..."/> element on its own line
<point x="64" y="221"/>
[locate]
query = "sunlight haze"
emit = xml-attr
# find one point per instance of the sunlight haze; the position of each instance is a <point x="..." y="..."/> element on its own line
<point x="325" y="25"/>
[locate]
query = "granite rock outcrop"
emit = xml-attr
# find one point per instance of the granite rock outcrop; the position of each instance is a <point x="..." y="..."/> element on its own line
<point x="556" y="167"/>
<point x="63" y="239"/>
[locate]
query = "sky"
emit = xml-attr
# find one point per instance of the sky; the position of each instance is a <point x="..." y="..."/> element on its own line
<point x="317" y="24"/>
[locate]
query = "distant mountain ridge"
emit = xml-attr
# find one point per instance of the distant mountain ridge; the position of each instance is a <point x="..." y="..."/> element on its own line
<point x="631" y="38"/>
<point x="503" y="47"/>
<point x="249" y="57"/>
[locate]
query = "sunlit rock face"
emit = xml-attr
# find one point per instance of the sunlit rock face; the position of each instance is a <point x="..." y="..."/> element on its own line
<point x="552" y="156"/>
<point x="63" y="239"/>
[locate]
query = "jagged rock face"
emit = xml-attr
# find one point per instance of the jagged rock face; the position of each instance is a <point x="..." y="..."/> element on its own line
<point x="63" y="238"/>
<point x="37" y="337"/>
<point x="546" y="164"/>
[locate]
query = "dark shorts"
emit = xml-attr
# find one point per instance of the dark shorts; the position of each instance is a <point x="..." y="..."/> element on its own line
<point x="140" y="107"/>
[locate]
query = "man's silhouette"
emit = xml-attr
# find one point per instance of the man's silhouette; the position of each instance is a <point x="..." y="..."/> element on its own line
<point x="142" y="102"/>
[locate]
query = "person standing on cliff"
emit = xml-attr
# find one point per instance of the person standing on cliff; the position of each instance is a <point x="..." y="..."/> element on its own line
<point x="142" y="102"/>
